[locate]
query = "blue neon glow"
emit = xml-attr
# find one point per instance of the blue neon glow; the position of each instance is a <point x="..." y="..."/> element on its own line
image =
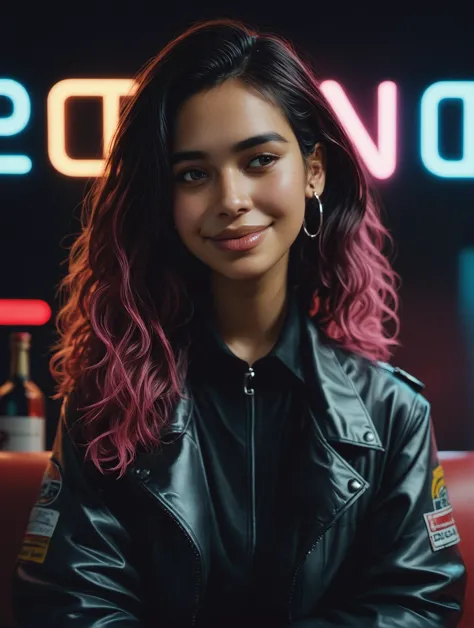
<point x="430" y="101"/>
<point x="466" y="310"/>
<point x="466" y="285"/>
<point x="14" y="124"/>
<point x="15" y="164"/>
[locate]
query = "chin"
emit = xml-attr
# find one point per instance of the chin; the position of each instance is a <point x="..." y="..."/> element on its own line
<point x="249" y="271"/>
<point x="242" y="276"/>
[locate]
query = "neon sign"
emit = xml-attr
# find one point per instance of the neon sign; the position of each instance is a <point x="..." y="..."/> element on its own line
<point x="433" y="96"/>
<point x="14" y="124"/>
<point x="110" y="90"/>
<point x="24" y="312"/>
<point x="379" y="154"/>
<point x="381" y="159"/>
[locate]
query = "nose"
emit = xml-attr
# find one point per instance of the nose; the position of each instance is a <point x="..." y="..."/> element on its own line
<point x="233" y="197"/>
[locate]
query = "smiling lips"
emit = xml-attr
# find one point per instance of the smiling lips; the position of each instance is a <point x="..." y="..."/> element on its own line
<point x="242" y="239"/>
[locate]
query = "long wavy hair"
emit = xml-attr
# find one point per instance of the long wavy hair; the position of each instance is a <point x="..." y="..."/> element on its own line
<point x="124" y="325"/>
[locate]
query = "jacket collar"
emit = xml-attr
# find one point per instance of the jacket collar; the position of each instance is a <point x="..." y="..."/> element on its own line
<point x="287" y="349"/>
<point x="336" y="406"/>
<point x="209" y="346"/>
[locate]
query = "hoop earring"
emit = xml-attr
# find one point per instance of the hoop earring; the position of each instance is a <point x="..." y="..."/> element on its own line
<point x="315" y="235"/>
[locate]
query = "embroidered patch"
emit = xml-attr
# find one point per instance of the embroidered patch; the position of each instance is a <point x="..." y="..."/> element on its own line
<point x="442" y="528"/>
<point x="51" y="484"/>
<point x="39" y="531"/>
<point x="440" y="523"/>
<point x="439" y="492"/>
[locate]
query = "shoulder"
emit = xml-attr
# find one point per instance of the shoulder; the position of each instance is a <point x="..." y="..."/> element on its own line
<point x="71" y="443"/>
<point x="402" y="375"/>
<point x="360" y="367"/>
<point x="389" y="393"/>
<point x="67" y="437"/>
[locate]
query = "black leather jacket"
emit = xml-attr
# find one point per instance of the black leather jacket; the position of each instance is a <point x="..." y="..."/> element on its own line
<point x="136" y="551"/>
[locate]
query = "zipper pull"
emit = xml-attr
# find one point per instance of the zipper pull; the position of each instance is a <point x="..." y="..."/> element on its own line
<point x="249" y="375"/>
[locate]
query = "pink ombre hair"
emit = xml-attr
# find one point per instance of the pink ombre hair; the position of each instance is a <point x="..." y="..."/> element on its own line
<point x="124" y="327"/>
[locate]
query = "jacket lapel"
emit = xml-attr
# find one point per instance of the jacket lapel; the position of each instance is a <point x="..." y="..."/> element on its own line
<point x="344" y="418"/>
<point x="323" y="483"/>
<point x="175" y="477"/>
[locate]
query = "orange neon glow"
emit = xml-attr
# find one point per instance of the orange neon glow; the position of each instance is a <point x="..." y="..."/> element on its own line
<point x="24" y="312"/>
<point x="110" y="90"/>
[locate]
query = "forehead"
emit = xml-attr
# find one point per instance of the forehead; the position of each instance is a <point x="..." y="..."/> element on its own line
<point x="224" y="115"/>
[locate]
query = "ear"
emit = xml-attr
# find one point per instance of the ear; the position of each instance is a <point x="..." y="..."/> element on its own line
<point x="316" y="171"/>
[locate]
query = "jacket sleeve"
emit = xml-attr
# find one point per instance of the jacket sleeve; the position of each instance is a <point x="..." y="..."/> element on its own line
<point x="75" y="566"/>
<point x="407" y="575"/>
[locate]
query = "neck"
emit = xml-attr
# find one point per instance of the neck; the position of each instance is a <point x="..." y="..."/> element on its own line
<point x="249" y="315"/>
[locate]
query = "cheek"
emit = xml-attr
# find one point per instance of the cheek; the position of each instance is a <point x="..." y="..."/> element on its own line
<point x="187" y="214"/>
<point x="286" y="196"/>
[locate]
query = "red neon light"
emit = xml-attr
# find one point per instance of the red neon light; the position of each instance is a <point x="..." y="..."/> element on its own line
<point x="24" y="312"/>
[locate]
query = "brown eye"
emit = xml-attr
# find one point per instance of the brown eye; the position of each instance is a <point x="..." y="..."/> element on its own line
<point x="271" y="159"/>
<point x="181" y="175"/>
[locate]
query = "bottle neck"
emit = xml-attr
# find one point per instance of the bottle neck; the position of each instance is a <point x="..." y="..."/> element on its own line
<point x="20" y="363"/>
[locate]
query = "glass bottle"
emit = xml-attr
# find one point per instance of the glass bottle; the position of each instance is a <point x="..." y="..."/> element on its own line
<point x="22" y="403"/>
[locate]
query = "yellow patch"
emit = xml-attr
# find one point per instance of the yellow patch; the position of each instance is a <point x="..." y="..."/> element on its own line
<point x="34" y="548"/>
<point x="439" y="492"/>
<point x="438" y="482"/>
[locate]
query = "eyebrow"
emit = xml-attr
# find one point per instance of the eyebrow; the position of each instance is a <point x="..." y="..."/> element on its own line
<point x="250" y="142"/>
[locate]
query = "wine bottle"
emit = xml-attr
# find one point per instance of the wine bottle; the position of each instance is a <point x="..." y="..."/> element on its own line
<point x="22" y="403"/>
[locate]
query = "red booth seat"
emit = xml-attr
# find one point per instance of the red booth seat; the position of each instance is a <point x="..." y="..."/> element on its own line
<point x="20" y="479"/>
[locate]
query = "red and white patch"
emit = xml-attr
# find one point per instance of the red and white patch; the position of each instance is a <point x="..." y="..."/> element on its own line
<point x="442" y="528"/>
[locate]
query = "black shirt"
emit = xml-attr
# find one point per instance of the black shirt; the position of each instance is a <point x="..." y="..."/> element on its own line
<point x="247" y="457"/>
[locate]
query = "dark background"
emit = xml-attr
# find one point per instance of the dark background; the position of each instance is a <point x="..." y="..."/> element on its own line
<point x="431" y="218"/>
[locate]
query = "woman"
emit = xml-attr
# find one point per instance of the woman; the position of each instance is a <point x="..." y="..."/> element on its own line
<point x="232" y="450"/>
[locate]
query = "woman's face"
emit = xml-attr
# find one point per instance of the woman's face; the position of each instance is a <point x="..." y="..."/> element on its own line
<point x="224" y="190"/>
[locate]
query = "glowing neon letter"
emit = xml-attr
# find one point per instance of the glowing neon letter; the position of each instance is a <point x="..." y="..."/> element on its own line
<point x="381" y="159"/>
<point x="110" y="90"/>
<point x="14" y="124"/>
<point x="430" y="101"/>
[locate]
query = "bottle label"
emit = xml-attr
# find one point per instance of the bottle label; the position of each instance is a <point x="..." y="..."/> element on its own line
<point x="22" y="433"/>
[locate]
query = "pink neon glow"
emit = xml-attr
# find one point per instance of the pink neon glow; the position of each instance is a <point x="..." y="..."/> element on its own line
<point x="381" y="157"/>
<point x="24" y="312"/>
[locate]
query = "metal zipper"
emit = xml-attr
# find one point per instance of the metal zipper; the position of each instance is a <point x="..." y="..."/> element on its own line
<point x="250" y="392"/>
<point x="194" y="548"/>
<point x="298" y="569"/>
